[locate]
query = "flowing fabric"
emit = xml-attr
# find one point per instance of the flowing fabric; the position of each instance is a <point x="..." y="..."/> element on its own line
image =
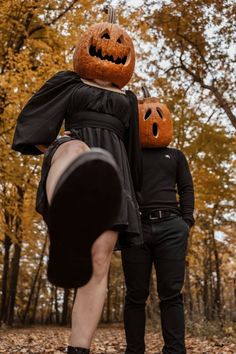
<point x="60" y="101"/>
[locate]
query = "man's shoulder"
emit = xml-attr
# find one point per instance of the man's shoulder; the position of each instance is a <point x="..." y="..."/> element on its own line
<point x="175" y="151"/>
<point x="163" y="151"/>
<point x="176" y="154"/>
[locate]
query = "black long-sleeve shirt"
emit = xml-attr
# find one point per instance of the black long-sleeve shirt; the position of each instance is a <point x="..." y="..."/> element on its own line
<point x="167" y="182"/>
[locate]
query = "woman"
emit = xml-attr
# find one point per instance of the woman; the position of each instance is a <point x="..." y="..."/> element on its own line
<point x="98" y="114"/>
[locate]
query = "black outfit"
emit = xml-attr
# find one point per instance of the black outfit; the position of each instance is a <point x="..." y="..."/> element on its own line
<point x="164" y="170"/>
<point x="165" y="223"/>
<point x="100" y="118"/>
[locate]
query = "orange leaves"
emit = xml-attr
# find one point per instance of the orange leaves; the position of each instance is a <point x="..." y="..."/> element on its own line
<point x="108" y="340"/>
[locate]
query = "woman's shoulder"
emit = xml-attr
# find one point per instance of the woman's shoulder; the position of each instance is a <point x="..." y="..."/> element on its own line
<point x="66" y="75"/>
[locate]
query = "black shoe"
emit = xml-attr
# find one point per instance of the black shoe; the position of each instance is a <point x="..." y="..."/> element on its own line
<point x="76" y="350"/>
<point x="85" y="203"/>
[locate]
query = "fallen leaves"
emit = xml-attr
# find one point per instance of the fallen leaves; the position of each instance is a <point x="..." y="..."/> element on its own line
<point x="108" y="340"/>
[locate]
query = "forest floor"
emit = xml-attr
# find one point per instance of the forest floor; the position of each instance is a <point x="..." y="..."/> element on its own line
<point x="108" y="339"/>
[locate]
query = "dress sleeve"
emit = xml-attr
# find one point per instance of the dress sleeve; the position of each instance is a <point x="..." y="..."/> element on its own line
<point x="134" y="148"/>
<point x="40" y="120"/>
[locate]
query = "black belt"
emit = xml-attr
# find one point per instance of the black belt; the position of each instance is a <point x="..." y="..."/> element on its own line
<point x="86" y="119"/>
<point x="156" y="214"/>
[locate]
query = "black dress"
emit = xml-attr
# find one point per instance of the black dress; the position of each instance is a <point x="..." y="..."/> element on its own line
<point x="99" y="117"/>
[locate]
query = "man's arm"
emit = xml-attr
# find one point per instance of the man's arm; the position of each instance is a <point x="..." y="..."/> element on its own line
<point x="185" y="189"/>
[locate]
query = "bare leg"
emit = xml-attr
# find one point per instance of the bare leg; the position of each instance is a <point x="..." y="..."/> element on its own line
<point x="62" y="158"/>
<point x="90" y="298"/>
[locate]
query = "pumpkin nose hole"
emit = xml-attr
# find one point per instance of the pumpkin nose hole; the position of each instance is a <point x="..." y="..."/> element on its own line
<point x="155" y="129"/>
<point x="147" y="114"/>
<point x="105" y="36"/>
<point x="160" y="113"/>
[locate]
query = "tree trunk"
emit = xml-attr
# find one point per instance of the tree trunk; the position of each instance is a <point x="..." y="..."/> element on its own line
<point x="56" y="307"/>
<point x="210" y="285"/>
<point x="49" y="318"/>
<point x="33" y="317"/>
<point x="26" y="312"/>
<point x="218" y="302"/>
<point x="206" y="281"/>
<point x="198" y="288"/>
<point x="65" y="306"/>
<point x="7" y="245"/>
<point x="13" y="284"/>
<point x="188" y="293"/>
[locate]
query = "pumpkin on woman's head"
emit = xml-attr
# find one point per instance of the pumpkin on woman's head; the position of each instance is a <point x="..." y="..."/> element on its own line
<point x="105" y="52"/>
<point x="155" y="123"/>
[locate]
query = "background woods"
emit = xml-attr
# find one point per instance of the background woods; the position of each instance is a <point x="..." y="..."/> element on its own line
<point x="186" y="57"/>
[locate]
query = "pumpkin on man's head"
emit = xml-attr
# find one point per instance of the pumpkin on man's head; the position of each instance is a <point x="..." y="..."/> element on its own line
<point x="155" y="123"/>
<point x="105" y="52"/>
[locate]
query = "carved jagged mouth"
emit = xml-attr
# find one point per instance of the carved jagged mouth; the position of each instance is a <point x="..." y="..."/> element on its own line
<point x="98" y="53"/>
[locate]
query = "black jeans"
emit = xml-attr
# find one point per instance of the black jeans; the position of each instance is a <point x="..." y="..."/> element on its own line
<point x="165" y="246"/>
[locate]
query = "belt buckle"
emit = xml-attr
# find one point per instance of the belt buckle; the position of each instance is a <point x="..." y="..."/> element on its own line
<point x="151" y="217"/>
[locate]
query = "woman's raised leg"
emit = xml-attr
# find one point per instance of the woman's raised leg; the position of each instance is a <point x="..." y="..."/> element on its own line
<point x="84" y="193"/>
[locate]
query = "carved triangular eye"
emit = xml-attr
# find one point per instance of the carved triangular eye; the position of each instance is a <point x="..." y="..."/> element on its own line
<point x="147" y="114"/>
<point x="159" y="111"/>
<point x="106" y="35"/>
<point x="120" y="39"/>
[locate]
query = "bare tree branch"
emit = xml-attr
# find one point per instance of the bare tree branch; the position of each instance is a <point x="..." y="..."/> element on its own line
<point x="68" y="8"/>
<point x="212" y="88"/>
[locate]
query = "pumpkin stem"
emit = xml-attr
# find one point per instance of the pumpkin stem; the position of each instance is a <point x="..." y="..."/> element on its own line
<point x="111" y="13"/>
<point x="146" y="93"/>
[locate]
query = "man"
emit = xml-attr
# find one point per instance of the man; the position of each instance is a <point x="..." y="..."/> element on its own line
<point x="166" y="222"/>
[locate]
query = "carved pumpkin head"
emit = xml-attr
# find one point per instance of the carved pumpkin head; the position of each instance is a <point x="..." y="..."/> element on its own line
<point x="155" y="123"/>
<point x="105" y="52"/>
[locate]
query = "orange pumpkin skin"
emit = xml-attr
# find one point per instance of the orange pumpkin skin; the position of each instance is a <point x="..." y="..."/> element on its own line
<point x="155" y="123"/>
<point x="99" y="57"/>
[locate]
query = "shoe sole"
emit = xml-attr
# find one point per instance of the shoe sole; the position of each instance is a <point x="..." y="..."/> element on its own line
<point x="85" y="204"/>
